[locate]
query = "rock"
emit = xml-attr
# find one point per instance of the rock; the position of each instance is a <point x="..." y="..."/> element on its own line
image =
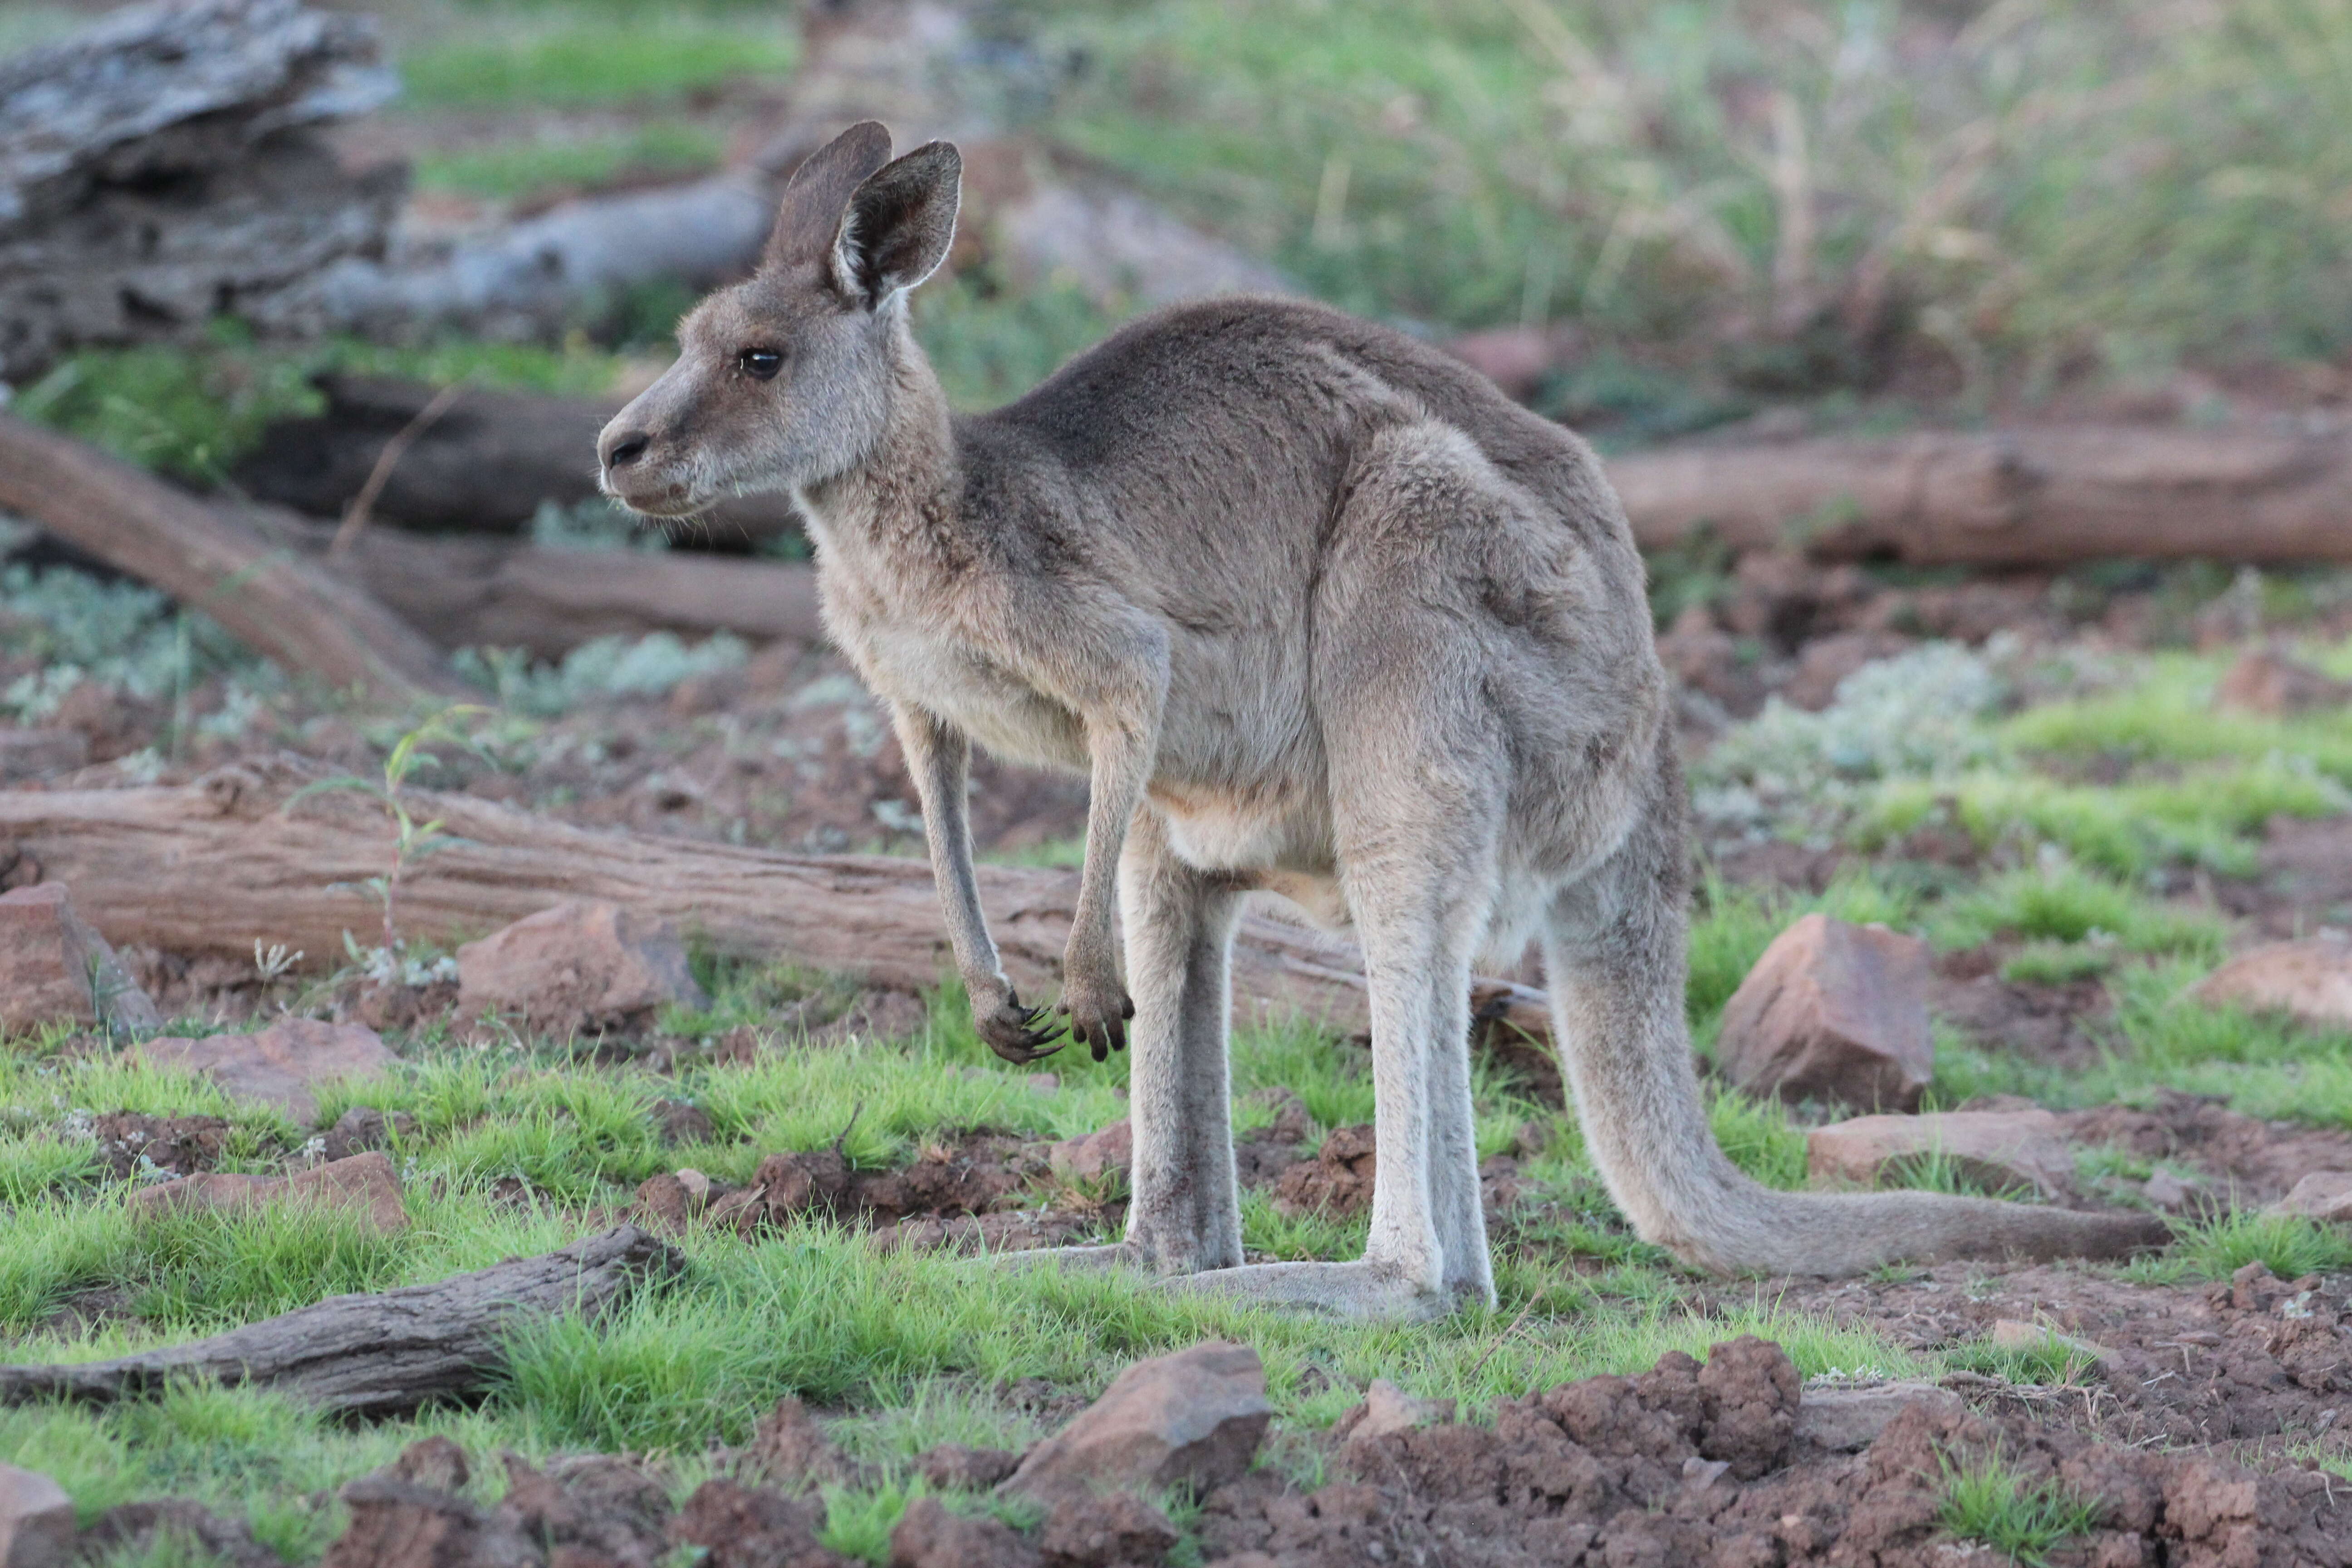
<point x="1105" y="1530"/>
<point x="1195" y="1417"/>
<point x="748" y="1527"/>
<point x="2311" y="979"/>
<point x="1832" y="1011"/>
<point x="1997" y="1148"/>
<point x="280" y="1066"/>
<point x="1388" y="1408"/>
<point x="36" y="1519"/>
<point x="38" y="753"/>
<point x="954" y="1467"/>
<point x="1095" y="1155"/>
<point x="2166" y="1192"/>
<point x="366" y="1183"/>
<point x="583" y="964"/>
<point x="1848" y="1420"/>
<point x="928" y="1535"/>
<point x="53" y="966"/>
<point x="2263" y="682"/>
<point x="2321" y="1195"/>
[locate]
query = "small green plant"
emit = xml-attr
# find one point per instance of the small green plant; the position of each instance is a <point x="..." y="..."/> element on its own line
<point x="2290" y="1246"/>
<point x="1985" y="1499"/>
<point x="412" y="840"/>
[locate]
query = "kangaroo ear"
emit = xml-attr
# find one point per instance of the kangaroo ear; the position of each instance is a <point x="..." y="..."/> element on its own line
<point x="899" y="223"/>
<point x="818" y="193"/>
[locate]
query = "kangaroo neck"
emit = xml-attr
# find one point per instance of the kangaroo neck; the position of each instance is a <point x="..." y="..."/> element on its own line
<point x="902" y="500"/>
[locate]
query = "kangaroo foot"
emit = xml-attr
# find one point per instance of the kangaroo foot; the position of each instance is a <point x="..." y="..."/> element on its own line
<point x="1362" y="1291"/>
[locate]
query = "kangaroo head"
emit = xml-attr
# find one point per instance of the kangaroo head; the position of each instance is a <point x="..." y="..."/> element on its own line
<point x="786" y="379"/>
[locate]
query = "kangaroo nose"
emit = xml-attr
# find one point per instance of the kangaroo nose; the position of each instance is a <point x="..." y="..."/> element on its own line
<point x="625" y="448"/>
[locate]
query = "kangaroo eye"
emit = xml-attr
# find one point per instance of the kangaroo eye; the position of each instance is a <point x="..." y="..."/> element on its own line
<point x="761" y="364"/>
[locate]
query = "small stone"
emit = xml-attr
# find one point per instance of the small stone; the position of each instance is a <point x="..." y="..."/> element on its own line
<point x="2321" y="1195"/>
<point x="1388" y="1408"/>
<point x="36" y="1519"/>
<point x="1848" y="1420"/>
<point x="1832" y="1011"/>
<point x="40" y="754"/>
<point x="280" y="1066"/>
<point x="1105" y="1530"/>
<point x="366" y="1183"/>
<point x="1700" y="1474"/>
<point x="583" y="964"/>
<point x="930" y="1536"/>
<point x="1996" y="1148"/>
<point x="2166" y="1192"/>
<point x="2011" y="1334"/>
<point x="55" y="966"/>
<point x="2263" y="682"/>
<point x="954" y="1467"/>
<point x="1195" y="1417"/>
<point x="2310" y="979"/>
<point x="1098" y="1154"/>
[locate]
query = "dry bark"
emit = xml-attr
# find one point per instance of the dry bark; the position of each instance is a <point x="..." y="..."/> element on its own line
<point x="2012" y="497"/>
<point x="212" y="867"/>
<point x="384" y="1354"/>
<point x="275" y="603"/>
<point x="163" y="166"/>
<point x="490" y="593"/>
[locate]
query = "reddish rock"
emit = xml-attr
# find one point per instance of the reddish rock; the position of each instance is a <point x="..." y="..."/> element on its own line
<point x="1098" y="1154"/>
<point x="930" y="1536"/>
<point x="365" y="1184"/>
<point x="53" y="966"/>
<point x="1195" y="1417"/>
<point x="1105" y="1530"/>
<point x="2263" y="682"/>
<point x="2321" y="1195"/>
<point x="583" y="964"/>
<point x="36" y="1519"/>
<point x="2311" y="979"/>
<point x="1388" y="1408"/>
<point x="1832" y="1011"/>
<point x="1996" y="1148"/>
<point x="1848" y="1420"/>
<point x="39" y="754"/>
<point x="280" y="1066"/>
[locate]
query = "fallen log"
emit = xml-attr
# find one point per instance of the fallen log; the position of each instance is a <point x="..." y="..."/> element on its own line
<point x="488" y="593"/>
<point x="385" y="1354"/>
<point x="267" y="597"/>
<point x="164" y="165"/>
<point x="485" y="466"/>
<point x="2043" y="497"/>
<point x="213" y="867"/>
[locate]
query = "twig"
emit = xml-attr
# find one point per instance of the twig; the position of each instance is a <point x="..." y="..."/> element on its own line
<point x="355" y="516"/>
<point x="1508" y="1329"/>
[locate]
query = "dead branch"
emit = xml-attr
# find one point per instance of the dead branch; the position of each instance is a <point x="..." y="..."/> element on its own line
<point x="2012" y="497"/>
<point x="268" y="598"/>
<point x="383" y="1354"/>
<point x="211" y="867"/>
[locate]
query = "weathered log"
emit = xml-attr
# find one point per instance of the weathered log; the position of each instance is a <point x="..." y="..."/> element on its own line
<point x="488" y="593"/>
<point x="163" y="166"/>
<point x="2037" y="496"/>
<point x="383" y="1354"/>
<point x="211" y="868"/>
<point x="483" y="466"/>
<point x="274" y="602"/>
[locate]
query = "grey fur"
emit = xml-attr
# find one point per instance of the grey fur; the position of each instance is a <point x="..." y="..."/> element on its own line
<point x="1319" y="611"/>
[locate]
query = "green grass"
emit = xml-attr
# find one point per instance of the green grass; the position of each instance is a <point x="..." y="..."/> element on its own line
<point x="655" y="152"/>
<point x="595" y="55"/>
<point x="2291" y="1246"/>
<point x="1986" y="1500"/>
<point x="2063" y="905"/>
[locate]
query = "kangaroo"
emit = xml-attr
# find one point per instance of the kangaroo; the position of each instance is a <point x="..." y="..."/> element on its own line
<point x="1317" y="610"/>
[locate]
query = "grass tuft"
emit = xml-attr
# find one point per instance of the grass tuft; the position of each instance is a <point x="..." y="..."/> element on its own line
<point x="1986" y="1500"/>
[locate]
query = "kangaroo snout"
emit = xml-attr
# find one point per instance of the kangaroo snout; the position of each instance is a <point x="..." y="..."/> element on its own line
<point x="619" y="449"/>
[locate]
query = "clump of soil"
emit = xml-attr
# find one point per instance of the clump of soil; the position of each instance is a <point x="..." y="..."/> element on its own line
<point x="130" y="1144"/>
<point x="2255" y="1162"/>
<point x="1687" y="1464"/>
